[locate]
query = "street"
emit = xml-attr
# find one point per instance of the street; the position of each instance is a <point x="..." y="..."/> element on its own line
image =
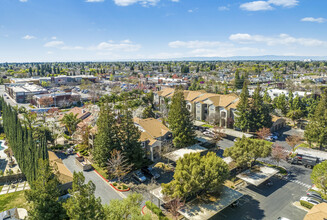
<point x="103" y="190"/>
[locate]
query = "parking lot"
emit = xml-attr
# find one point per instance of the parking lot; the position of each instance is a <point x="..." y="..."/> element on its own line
<point x="268" y="202"/>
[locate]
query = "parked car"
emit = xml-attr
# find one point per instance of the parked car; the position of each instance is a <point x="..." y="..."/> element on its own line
<point x="150" y="172"/>
<point x="315" y="195"/>
<point x="138" y="175"/>
<point x="282" y="218"/>
<point x="309" y="200"/>
<point x="208" y="133"/>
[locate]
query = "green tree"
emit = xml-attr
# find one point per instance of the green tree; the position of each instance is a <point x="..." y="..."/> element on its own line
<point x="266" y="97"/>
<point x="295" y="115"/>
<point x="70" y="121"/>
<point x="83" y="204"/>
<point x="44" y="194"/>
<point x="129" y="140"/>
<point x="260" y="112"/>
<point x="196" y="174"/>
<point x="319" y="176"/>
<point x="246" y="151"/>
<point x="243" y="118"/>
<point x="128" y="208"/>
<point x="281" y="104"/>
<point x="180" y="122"/>
<point x="106" y="139"/>
<point x="148" y="113"/>
<point x="226" y="89"/>
<point x="316" y="130"/>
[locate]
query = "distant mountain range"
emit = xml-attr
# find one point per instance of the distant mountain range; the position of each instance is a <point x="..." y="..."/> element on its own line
<point x="243" y="58"/>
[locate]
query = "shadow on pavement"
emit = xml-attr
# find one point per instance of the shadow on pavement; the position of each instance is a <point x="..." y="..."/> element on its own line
<point x="266" y="190"/>
<point x="248" y="209"/>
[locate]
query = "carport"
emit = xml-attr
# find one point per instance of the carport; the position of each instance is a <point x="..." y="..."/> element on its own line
<point x="257" y="175"/>
<point x="206" y="206"/>
<point x="175" y="155"/>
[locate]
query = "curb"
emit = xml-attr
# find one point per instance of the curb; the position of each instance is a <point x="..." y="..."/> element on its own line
<point x="96" y="171"/>
<point x="120" y="190"/>
<point x="142" y="210"/>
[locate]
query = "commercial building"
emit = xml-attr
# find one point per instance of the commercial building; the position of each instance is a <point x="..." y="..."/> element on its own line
<point x="23" y="93"/>
<point x="56" y="80"/>
<point x="65" y="99"/>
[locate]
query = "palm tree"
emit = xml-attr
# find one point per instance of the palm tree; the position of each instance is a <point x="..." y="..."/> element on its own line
<point x="70" y="121"/>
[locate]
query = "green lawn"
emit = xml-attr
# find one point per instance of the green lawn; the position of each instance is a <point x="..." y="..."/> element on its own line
<point x="207" y="126"/>
<point x="100" y="170"/>
<point x="12" y="200"/>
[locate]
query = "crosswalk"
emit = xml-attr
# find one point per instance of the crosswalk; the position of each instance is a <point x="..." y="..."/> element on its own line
<point x="297" y="182"/>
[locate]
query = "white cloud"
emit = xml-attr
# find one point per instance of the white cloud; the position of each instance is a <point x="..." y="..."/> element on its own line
<point x="282" y="39"/>
<point x="131" y="2"/>
<point x="123" y="41"/>
<point x="268" y="5"/>
<point x="256" y="6"/>
<point x="125" y="46"/>
<point x="28" y="37"/>
<point x="54" y="43"/>
<point x="196" y="44"/>
<point x="53" y="38"/>
<point x="23" y="0"/>
<point x="190" y="11"/>
<point x="223" y="8"/>
<point x="94" y="0"/>
<point x="311" y="19"/>
<point x="284" y="3"/>
<point x="49" y="52"/>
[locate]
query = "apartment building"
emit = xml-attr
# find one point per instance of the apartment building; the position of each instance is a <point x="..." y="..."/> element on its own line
<point x="203" y="106"/>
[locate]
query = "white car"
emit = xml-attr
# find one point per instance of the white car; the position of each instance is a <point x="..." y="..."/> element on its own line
<point x="309" y="200"/>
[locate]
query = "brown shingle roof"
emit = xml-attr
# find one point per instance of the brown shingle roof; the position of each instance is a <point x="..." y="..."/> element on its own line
<point x="317" y="212"/>
<point x="64" y="175"/>
<point x="152" y="126"/>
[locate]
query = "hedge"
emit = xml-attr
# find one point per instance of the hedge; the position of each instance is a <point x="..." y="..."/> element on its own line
<point x="156" y="210"/>
<point x="306" y="204"/>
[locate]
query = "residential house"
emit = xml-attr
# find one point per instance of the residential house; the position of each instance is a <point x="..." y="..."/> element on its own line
<point x="153" y="135"/>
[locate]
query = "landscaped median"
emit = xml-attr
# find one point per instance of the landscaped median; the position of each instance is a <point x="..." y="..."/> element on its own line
<point x="121" y="187"/>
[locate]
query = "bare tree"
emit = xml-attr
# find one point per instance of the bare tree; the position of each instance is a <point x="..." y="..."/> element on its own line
<point x="214" y="118"/>
<point x="174" y="206"/>
<point x="263" y="133"/>
<point x="118" y="165"/>
<point x="218" y="135"/>
<point x="278" y="153"/>
<point x="293" y="140"/>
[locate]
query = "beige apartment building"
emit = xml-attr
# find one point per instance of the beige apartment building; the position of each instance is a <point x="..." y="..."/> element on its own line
<point x="203" y="106"/>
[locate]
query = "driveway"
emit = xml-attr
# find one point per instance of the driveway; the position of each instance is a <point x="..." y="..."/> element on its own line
<point x="103" y="190"/>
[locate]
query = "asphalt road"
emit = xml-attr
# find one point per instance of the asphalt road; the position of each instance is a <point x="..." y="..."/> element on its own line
<point x="103" y="190"/>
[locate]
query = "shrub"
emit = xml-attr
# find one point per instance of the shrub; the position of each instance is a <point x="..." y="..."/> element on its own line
<point x="125" y="187"/>
<point x="156" y="210"/>
<point x="306" y="204"/>
<point x="119" y="187"/>
<point x="114" y="184"/>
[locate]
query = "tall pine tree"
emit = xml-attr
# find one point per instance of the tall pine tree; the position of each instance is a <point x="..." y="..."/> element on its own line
<point x="180" y="122"/>
<point x="243" y="115"/>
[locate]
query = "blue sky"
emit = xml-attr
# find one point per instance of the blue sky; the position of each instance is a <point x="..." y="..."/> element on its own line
<point x="96" y="30"/>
